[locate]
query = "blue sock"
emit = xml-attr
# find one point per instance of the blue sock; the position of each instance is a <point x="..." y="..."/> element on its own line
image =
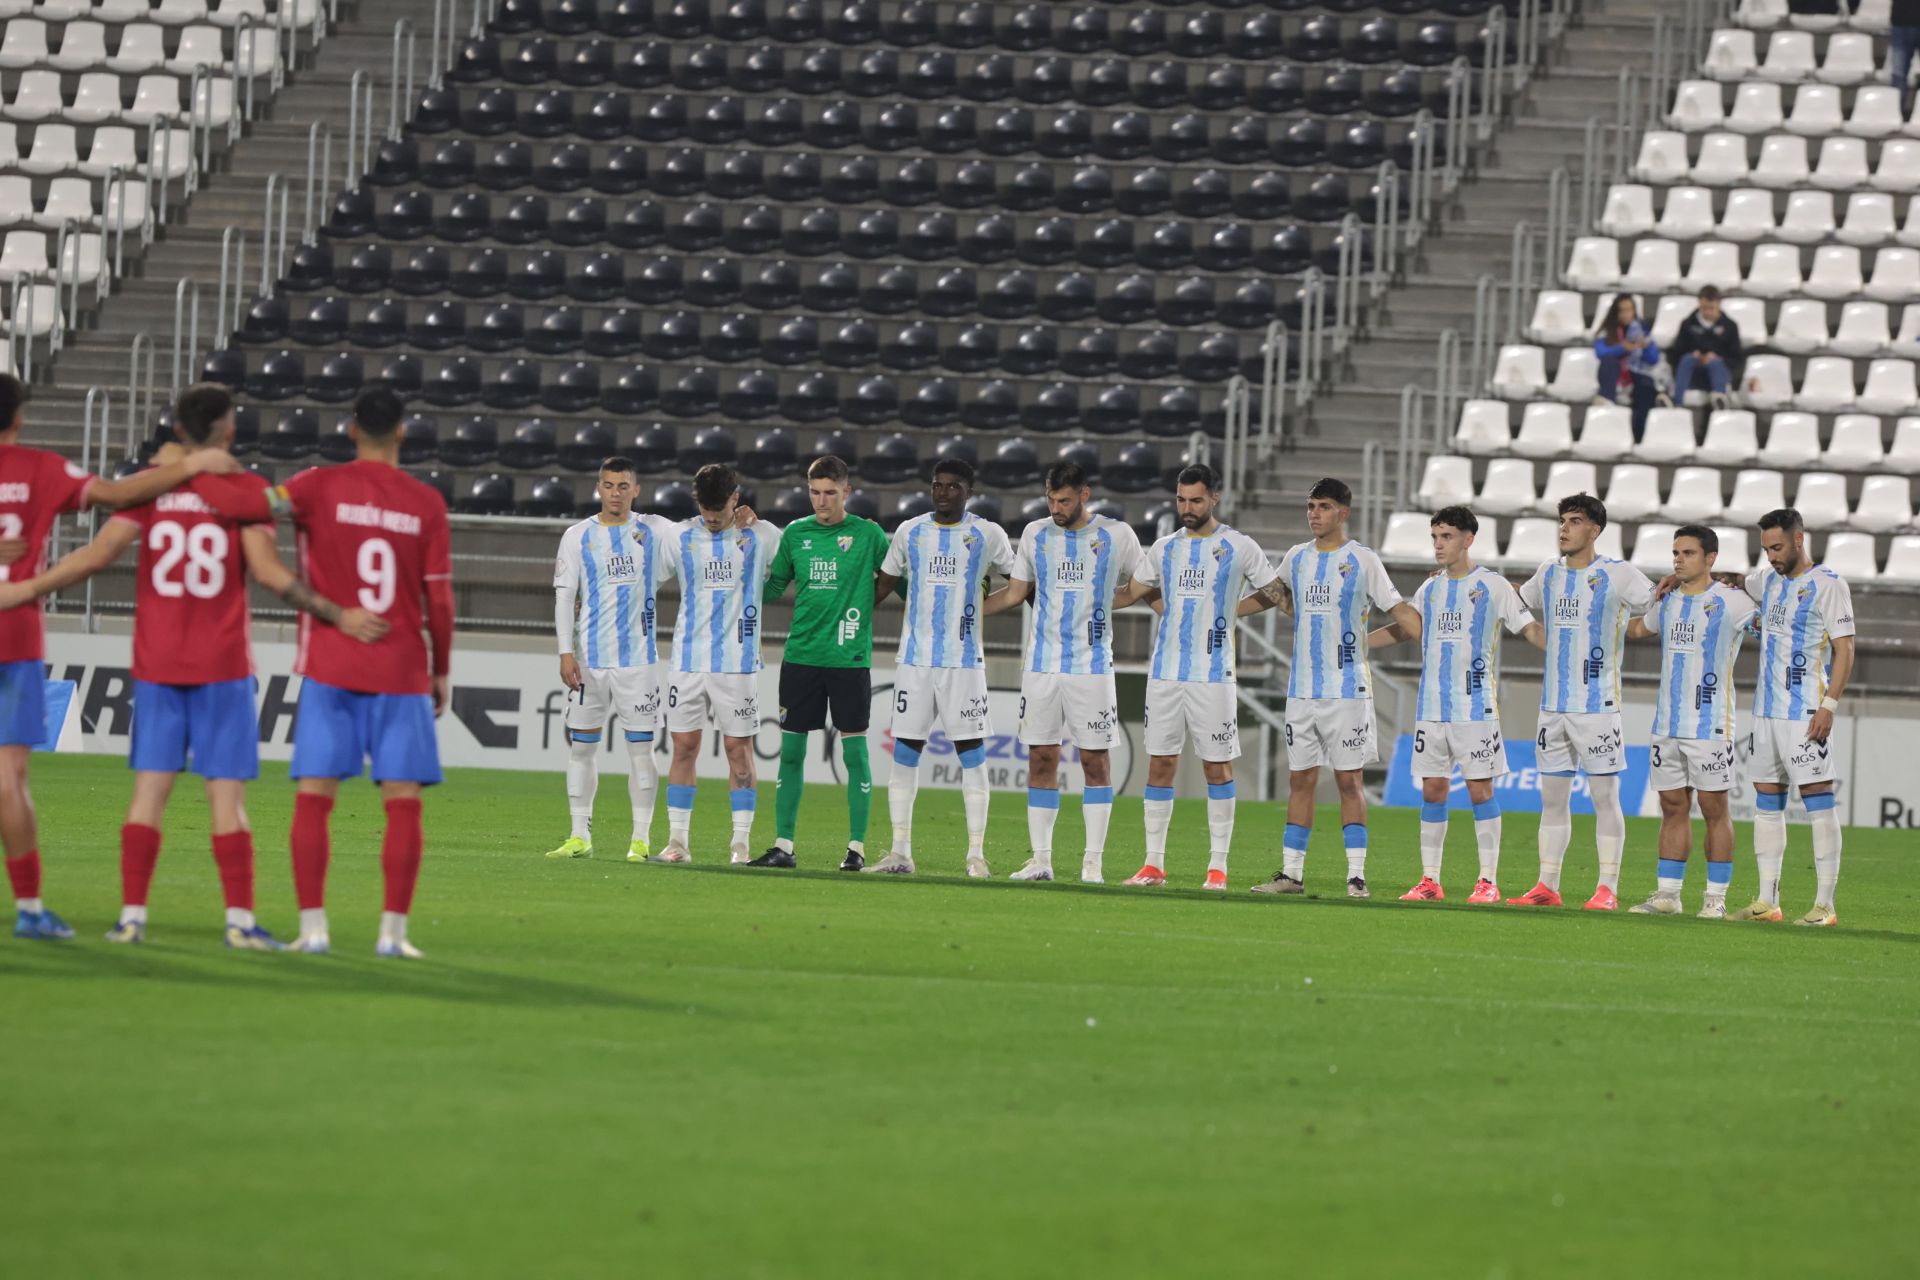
<point x="1671" y="872"/>
<point x="1719" y="876"/>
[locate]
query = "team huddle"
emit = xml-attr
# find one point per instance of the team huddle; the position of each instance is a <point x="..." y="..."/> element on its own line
<point x="374" y="595"/>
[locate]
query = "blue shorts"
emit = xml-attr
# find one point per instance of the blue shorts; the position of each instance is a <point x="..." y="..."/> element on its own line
<point x="337" y="730"/>
<point x="214" y="725"/>
<point x="23" y="703"/>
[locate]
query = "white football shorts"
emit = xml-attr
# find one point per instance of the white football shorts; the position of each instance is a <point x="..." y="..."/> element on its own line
<point x="953" y="699"/>
<point x="1207" y="713"/>
<point x="1331" y="731"/>
<point x="1475" y="746"/>
<point x="630" y="695"/>
<point x="1081" y="709"/>
<point x="728" y="700"/>
<point x="1590" y="742"/>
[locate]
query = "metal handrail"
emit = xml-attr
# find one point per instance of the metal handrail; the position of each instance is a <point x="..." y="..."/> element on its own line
<point x="233" y="274"/>
<point x="1484" y="352"/>
<point x="139" y="389"/>
<point x="1519" y="272"/>
<point x="273" y="253"/>
<point x="186" y="329"/>
<point x="320" y="174"/>
<point x="1273" y="388"/>
<point x="99" y="396"/>
<point x="20" y="325"/>
<point x="396" y="122"/>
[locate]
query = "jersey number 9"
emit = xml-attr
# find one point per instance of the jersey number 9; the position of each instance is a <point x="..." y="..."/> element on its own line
<point x="378" y="575"/>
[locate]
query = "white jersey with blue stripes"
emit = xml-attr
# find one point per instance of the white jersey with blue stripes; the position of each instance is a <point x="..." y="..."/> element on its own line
<point x="1074" y="573"/>
<point x="721" y="575"/>
<point x="1586" y="613"/>
<point x="1699" y="639"/>
<point x="1333" y="593"/>
<point x="945" y="567"/>
<point x="1460" y="622"/>
<point x="607" y="579"/>
<point x="1202" y="580"/>
<point x="1800" y="617"/>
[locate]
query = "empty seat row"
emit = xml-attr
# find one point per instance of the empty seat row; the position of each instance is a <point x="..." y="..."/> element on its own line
<point x="226" y="13"/>
<point x="698" y="392"/>
<point x="1061" y="133"/>
<point x="1814" y="15"/>
<point x="1771" y="271"/>
<point x="140" y="46"/>
<point x="1731" y="439"/>
<point x="1761" y="107"/>
<point x="78" y="200"/>
<point x="747" y="338"/>
<point x="55" y="148"/>
<point x="941" y="73"/>
<point x="31" y="252"/>
<point x="101" y="97"/>
<point x="1734" y="54"/>
<point x="1844" y="163"/>
<point x="1203" y="33"/>
<point x="1695" y="494"/>
<point x="1687" y="213"/>
<point x="1064" y="296"/>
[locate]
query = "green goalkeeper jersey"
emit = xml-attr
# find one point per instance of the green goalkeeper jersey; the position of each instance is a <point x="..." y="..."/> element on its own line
<point x="834" y="566"/>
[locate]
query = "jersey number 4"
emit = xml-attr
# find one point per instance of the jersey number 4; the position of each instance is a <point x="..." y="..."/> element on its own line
<point x="188" y="561"/>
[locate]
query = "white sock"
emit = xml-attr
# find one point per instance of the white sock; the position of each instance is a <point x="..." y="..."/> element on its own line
<point x="1096" y="807"/>
<point x="238" y="917"/>
<point x="1433" y="843"/>
<point x="1159" y="813"/>
<point x="313" y="920"/>
<point x="1556" y="828"/>
<point x="1769" y="851"/>
<point x="393" y="927"/>
<point x="975" y="796"/>
<point x="1609" y="828"/>
<point x="783" y="844"/>
<point x="902" y="783"/>
<point x="582" y="781"/>
<point x="138" y="915"/>
<point x="1669" y="886"/>
<point x="32" y="906"/>
<point x="742" y="801"/>
<point x="1826" y="854"/>
<point x="1043" y="809"/>
<point x="1486" y="837"/>
<point x="643" y="784"/>
<point x="1353" y="836"/>
<point x="680" y="813"/>
<point x="1220" y="804"/>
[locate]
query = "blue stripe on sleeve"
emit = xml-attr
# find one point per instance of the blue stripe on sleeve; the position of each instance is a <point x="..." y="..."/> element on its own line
<point x="970" y="651"/>
<point x="1069" y="601"/>
<point x="1351" y="626"/>
<point x="593" y="596"/>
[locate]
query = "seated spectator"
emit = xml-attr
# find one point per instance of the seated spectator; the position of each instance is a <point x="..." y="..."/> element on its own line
<point x="1629" y="362"/>
<point x="1706" y="354"/>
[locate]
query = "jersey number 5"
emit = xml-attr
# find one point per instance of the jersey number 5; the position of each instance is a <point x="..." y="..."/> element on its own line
<point x="203" y="548"/>
<point x="378" y="575"/>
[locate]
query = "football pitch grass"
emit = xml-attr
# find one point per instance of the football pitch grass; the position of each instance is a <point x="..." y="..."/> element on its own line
<point x="611" y="1069"/>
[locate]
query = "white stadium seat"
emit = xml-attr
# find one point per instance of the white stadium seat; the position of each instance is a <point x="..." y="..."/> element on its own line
<point x="1594" y="263"/>
<point x="1869" y="219"/>
<point x="1546" y="430"/>
<point x="1668" y="436"/>
<point x="24" y="44"/>
<point x="1843" y="164"/>
<point x="36" y="96"/>
<point x="1876" y="113"/>
<point x="1508" y="488"/>
<point x="116" y="11"/>
<point x="1789" y="57"/>
<point x="1872" y="16"/>
<point x="53" y="150"/>
<point x="1732" y="439"/>
<point x="1889" y="389"/>
<point x="1734" y="555"/>
<point x="141" y="49"/>
<point x="1698" y="105"/>
<point x="1628" y="210"/>
<point x="1694" y="496"/>
<point x="1821" y="500"/>
<point x="156" y="96"/>
<point x="1801" y="327"/>
<point x="16" y="199"/>
<point x="1826" y="386"/>
<point x="1756" y="109"/>
<point x="1906" y="342"/>
<point x="1576" y="376"/>
<point x="1755" y="492"/>
<point x="1835" y="273"/>
<point x="1714" y="262"/>
<point x="1606" y="433"/>
<point x="25" y="252"/>
<point x="1748" y="216"/>
<point x="1863" y="330"/>
<point x="1903" y="455"/>
<point x="1899" y="167"/>
<point x="1448" y="480"/>
<point x="9" y="145"/>
<point x="1558" y="318"/>
<point x="60" y="10"/>
<point x="1793" y="441"/>
<point x="68" y="198"/>
<point x="1633" y="493"/>
<point x="1774" y="271"/>
<point x="1655" y="266"/>
<point x="1848" y="59"/>
<point x="1722" y="161"/>
<point x="1809" y="218"/>
<point x="1763" y="14"/>
<point x="1909" y="233"/>
<point x="98" y="100"/>
<point x="1483" y="428"/>
<point x="1610" y="543"/>
<point x="1903" y="559"/>
<point x="1410" y="539"/>
<point x="1520" y="372"/>
<point x="1768" y="382"/>
<point x="1533" y="542"/>
<point x="42" y="310"/>
<point x="1663" y="157"/>
<point x="1566" y="478"/>
<point x="1686" y="215"/>
<point x="1855" y="443"/>
<point x="1731" y="55"/>
<point x="1751" y="315"/>
<point x="200" y="46"/>
<point x="1816" y="112"/>
<point x="1653" y="549"/>
<point x="1896" y="275"/>
<point x="1851" y="556"/>
<point x="1668" y="316"/>
<point x="180" y="12"/>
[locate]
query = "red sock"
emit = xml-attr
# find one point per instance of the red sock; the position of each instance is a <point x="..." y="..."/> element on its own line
<point x="24" y="871"/>
<point x="139" y="853"/>
<point x="400" y="853"/>
<point x="233" y="854"/>
<point x="310" y="849"/>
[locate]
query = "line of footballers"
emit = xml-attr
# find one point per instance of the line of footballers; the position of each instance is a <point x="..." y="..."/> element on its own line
<point x="1074" y="568"/>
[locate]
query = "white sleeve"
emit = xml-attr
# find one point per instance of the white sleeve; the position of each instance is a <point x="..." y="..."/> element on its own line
<point x="1418" y="600"/>
<point x="1636" y="588"/>
<point x="1531" y="593"/>
<point x="1740" y="609"/>
<point x="1513" y="610"/>
<point x="1837" y="608"/>
<point x="566" y="589"/>
<point x="1023" y="557"/>
<point x="1000" y="549"/>
<point x="1147" y="571"/>
<point x="665" y="534"/>
<point x="1756" y="584"/>
<point x="1379" y="585"/>
<point x="895" y="565"/>
<point x="769" y="535"/>
<point x="1254" y="565"/>
<point x="1126" y="549"/>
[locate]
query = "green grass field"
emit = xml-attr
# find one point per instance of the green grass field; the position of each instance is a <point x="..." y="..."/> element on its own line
<point x="611" y="1069"/>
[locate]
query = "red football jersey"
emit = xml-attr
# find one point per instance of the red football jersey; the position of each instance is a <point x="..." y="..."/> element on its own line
<point x="370" y="535"/>
<point x="191" y="621"/>
<point x="36" y="487"/>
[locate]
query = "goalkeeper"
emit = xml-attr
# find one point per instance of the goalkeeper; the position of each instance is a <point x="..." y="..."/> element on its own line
<point x="831" y="557"/>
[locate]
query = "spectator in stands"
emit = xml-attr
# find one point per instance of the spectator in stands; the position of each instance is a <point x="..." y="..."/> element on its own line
<point x="1903" y="37"/>
<point x="1629" y="360"/>
<point x="1707" y="349"/>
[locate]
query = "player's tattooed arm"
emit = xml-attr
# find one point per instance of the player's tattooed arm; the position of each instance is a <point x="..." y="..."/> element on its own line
<point x="1133" y="593"/>
<point x="264" y="563"/>
<point x="1011" y="596"/>
<point x="76" y="566"/>
<point x="1405" y="625"/>
<point x="1272" y="596"/>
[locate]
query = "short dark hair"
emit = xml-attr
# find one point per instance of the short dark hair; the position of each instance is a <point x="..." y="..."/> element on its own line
<point x="199" y="408"/>
<point x="1066" y="475"/>
<point x="618" y="462"/>
<point x="1587" y="505"/>
<point x="1708" y="293"/>
<point x="828" y="467"/>
<point x="713" y="484"/>
<point x="1784" y="518"/>
<point x="1708" y="539"/>
<point x="1456" y="517"/>
<point x="959" y="468"/>
<point x="1334" y="489"/>
<point x="1199" y="473"/>
<point x="13" y="398"/>
<point x="378" y="412"/>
